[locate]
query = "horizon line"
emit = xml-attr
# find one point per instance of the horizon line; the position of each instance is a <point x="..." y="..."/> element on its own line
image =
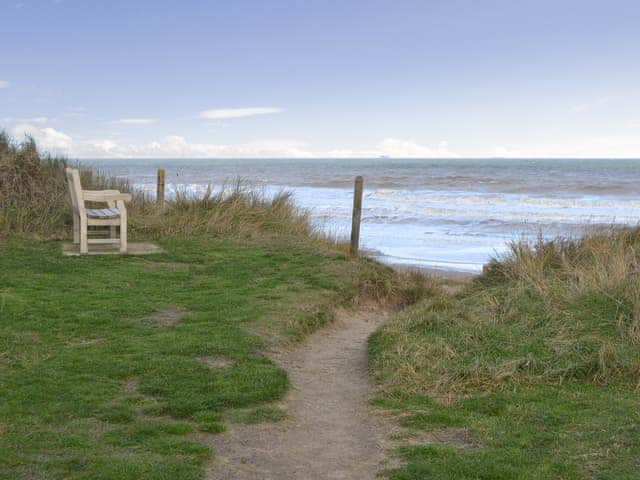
<point x="353" y="158"/>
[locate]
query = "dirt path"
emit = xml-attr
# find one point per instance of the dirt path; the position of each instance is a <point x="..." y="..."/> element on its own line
<point x="331" y="432"/>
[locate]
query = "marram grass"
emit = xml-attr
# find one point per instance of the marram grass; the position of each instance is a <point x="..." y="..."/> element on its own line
<point x="537" y="360"/>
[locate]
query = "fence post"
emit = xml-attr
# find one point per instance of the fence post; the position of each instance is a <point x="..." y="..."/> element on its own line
<point x="160" y="187"/>
<point x="357" y="214"/>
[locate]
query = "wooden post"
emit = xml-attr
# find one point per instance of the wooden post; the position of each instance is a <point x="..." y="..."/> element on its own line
<point x="160" y="187"/>
<point x="357" y="215"/>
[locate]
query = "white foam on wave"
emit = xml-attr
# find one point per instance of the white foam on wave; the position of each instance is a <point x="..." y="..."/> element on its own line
<point x="509" y="208"/>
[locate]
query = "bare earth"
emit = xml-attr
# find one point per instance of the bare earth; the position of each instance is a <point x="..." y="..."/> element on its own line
<point x="331" y="432"/>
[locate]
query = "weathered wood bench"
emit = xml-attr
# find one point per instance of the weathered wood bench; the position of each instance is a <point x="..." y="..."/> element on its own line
<point x="113" y="216"/>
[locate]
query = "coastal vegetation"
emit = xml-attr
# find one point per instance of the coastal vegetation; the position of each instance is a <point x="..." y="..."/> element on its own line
<point x="112" y="366"/>
<point x="531" y="371"/>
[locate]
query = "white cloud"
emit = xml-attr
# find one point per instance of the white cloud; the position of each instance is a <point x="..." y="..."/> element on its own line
<point x="396" y="148"/>
<point x="136" y="121"/>
<point x="348" y="153"/>
<point x="173" y="146"/>
<point x="590" y="106"/>
<point x="48" y="139"/>
<point x="104" y="146"/>
<point x="176" y="146"/>
<point x="404" y="148"/>
<point x="224" y="113"/>
<point x="4" y="84"/>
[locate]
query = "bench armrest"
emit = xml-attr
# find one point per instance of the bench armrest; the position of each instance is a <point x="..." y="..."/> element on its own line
<point x="105" y="196"/>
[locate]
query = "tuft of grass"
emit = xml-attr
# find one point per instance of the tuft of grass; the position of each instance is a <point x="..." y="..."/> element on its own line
<point x="257" y="415"/>
<point x="212" y="427"/>
<point x="538" y="357"/>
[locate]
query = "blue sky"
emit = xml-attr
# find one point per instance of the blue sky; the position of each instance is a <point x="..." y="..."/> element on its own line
<point x="323" y="78"/>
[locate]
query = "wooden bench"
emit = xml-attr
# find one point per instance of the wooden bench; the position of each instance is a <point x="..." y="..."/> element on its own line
<point x="113" y="216"/>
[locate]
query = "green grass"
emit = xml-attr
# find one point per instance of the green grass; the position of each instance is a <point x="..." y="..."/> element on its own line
<point x="257" y="415"/>
<point x="551" y="432"/>
<point x="94" y="388"/>
<point x="537" y="361"/>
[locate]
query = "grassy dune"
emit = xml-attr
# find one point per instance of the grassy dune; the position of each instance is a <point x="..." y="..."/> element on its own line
<point x="110" y="366"/>
<point x="537" y="361"/>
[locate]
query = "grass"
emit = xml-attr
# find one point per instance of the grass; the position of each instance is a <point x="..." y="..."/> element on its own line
<point x="93" y="387"/>
<point x="113" y="367"/>
<point x="538" y="360"/>
<point x="110" y="366"/>
<point x="257" y="415"/>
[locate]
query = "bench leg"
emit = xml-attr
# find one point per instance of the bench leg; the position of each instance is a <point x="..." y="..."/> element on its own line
<point x="123" y="232"/>
<point x="76" y="228"/>
<point x="84" y="236"/>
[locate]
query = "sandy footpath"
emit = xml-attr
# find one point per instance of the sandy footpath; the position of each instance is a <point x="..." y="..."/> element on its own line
<point x="331" y="432"/>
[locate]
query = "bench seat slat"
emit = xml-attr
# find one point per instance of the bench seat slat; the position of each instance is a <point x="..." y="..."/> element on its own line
<point x="102" y="213"/>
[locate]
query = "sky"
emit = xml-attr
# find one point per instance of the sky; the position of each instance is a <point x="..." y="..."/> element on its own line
<point x="307" y="78"/>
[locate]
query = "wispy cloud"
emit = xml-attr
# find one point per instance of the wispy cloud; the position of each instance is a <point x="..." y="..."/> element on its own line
<point x="4" y="84"/>
<point x="224" y="113"/>
<point x="176" y="146"/>
<point x="136" y="121"/>
<point x="48" y="139"/>
<point x="395" y="148"/>
<point x="590" y="106"/>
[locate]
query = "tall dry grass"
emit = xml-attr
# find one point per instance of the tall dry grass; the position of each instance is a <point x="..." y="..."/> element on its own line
<point x="32" y="189"/>
<point x="603" y="260"/>
<point x="233" y="208"/>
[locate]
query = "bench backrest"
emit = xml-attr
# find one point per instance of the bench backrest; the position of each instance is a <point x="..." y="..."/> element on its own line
<point x="75" y="190"/>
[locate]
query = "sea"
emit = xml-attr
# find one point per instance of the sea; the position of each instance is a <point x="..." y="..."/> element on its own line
<point x="450" y="214"/>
